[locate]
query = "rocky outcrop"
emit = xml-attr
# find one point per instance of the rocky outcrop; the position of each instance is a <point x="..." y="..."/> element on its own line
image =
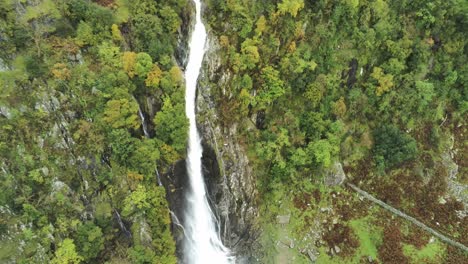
<point x="182" y="51"/>
<point x="455" y="188"/>
<point x="335" y="175"/>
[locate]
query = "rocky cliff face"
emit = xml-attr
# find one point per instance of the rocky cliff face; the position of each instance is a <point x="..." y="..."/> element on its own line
<point x="229" y="179"/>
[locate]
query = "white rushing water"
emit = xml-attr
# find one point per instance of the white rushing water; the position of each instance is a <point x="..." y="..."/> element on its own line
<point x="202" y="242"/>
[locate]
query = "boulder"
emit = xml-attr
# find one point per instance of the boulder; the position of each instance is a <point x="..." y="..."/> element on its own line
<point x="335" y="175"/>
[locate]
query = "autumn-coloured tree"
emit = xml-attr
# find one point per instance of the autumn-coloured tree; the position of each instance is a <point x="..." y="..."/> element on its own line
<point x="121" y="113"/>
<point x="129" y="63"/>
<point x="385" y="81"/>
<point x="339" y="108"/>
<point x="154" y="77"/>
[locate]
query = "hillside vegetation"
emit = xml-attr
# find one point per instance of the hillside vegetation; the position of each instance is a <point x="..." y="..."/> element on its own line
<point x="379" y="86"/>
<point x="77" y="173"/>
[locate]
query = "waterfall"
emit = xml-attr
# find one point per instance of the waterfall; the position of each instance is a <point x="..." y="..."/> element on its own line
<point x="147" y="135"/>
<point x="143" y="122"/>
<point x="142" y="119"/>
<point x="202" y="243"/>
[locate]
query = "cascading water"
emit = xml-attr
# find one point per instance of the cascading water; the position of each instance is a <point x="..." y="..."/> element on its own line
<point x="202" y="243"/>
<point x="147" y="135"/>
<point x="143" y="122"/>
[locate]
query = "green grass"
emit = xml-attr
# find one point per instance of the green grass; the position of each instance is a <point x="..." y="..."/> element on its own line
<point x="369" y="237"/>
<point x="326" y="259"/>
<point x="431" y="253"/>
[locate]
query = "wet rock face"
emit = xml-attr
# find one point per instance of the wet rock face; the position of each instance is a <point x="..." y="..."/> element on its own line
<point x="260" y="120"/>
<point x="182" y="50"/>
<point x="228" y="176"/>
<point x="175" y="183"/>
<point x="231" y="188"/>
<point x="353" y="66"/>
<point x="211" y="173"/>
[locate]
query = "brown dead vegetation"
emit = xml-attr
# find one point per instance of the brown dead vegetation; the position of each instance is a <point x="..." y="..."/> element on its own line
<point x="417" y="237"/>
<point x="342" y="236"/>
<point x="391" y="250"/>
<point x="455" y="256"/>
<point x="302" y="201"/>
<point x="106" y="3"/>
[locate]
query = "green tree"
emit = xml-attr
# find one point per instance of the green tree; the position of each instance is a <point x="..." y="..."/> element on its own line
<point x="85" y="35"/>
<point x="144" y="157"/>
<point x="425" y="93"/>
<point x="150" y="204"/>
<point x="272" y="87"/>
<point x="142" y="255"/>
<point x="172" y="125"/>
<point x="393" y="147"/>
<point x="171" y="20"/>
<point x="322" y="152"/>
<point x="90" y="240"/>
<point x="66" y="253"/>
<point x="143" y="65"/>
<point x="109" y="54"/>
<point x="123" y="145"/>
<point x="313" y="125"/>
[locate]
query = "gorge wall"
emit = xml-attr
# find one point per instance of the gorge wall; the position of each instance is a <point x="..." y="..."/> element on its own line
<point x="228" y="176"/>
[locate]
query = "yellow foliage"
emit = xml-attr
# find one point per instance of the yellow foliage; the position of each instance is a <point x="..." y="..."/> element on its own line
<point x="121" y="114"/>
<point x="314" y="94"/>
<point x="299" y="31"/>
<point x="87" y="137"/>
<point x="292" y="47"/>
<point x="245" y="98"/>
<point x="385" y="81"/>
<point x="134" y="178"/>
<point x="176" y="75"/>
<point x="339" y="107"/>
<point x="291" y="6"/>
<point x="169" y="154"/>
<point x="224" y="41"/>
<point x="354" y="4"/>
<point x="129" y="62"/>
<point x="261" y="25"/>
<point x="154" y="77"/>
<point x="116" y="35"/>
<point x="61" y="72"/>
